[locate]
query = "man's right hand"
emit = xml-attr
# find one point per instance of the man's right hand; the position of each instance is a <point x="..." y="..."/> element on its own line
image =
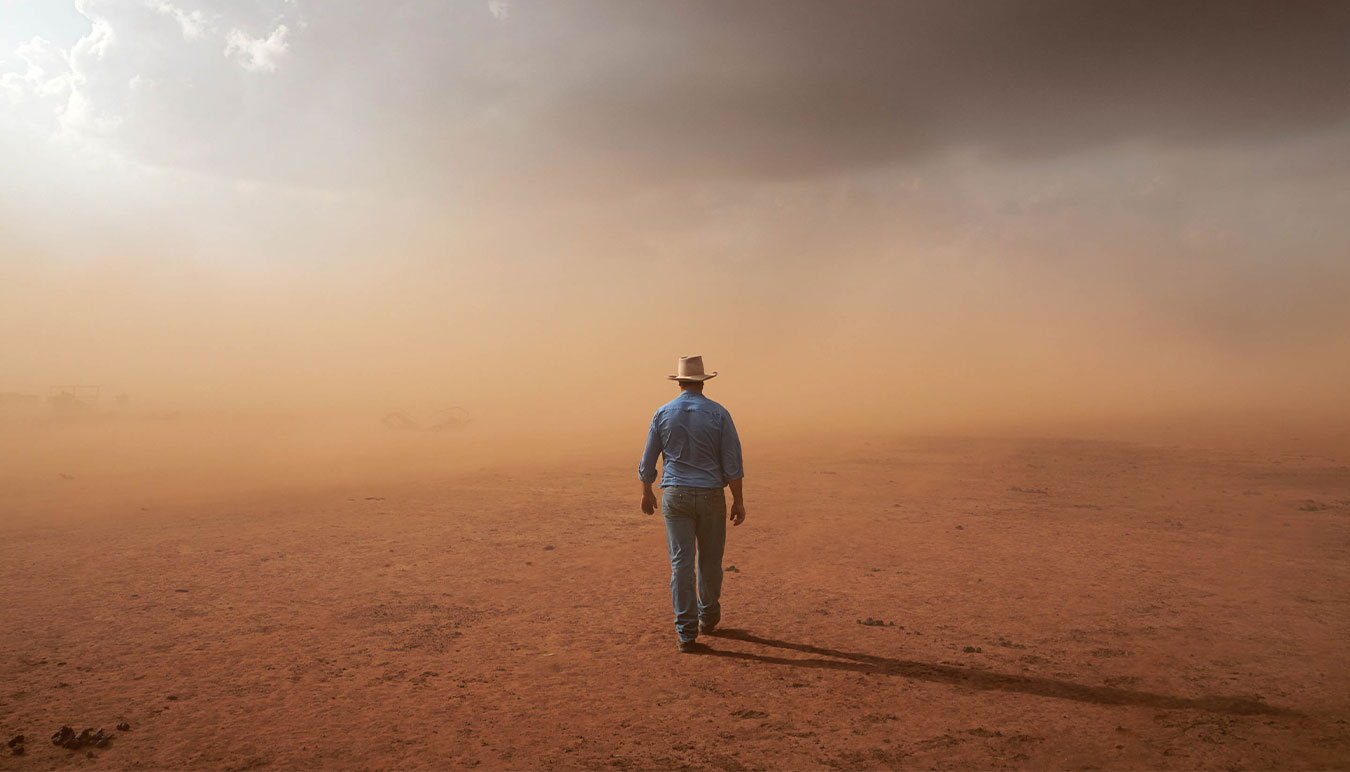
<point x="648" y="502"/>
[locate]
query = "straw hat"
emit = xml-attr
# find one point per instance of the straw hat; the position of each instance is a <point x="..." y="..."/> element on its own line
<point x="691" y="369"/>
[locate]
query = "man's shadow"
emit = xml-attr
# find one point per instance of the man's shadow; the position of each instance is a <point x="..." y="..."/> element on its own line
<point x="985" y="679"/>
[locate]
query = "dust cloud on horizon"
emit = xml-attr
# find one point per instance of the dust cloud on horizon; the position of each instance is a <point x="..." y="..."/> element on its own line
<point x="271" y="227"/>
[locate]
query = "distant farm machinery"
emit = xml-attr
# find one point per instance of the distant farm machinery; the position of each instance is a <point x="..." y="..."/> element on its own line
<point x="74" y="399"/>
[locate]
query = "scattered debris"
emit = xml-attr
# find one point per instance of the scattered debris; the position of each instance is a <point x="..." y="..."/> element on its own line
<point x="732" y="570"/>
<point x="65" y="476"/>
<point x="374" y="498"/>
<point x="1313" y="506"/>
<point x="973" y="650"/>
<point x="870" y="622"/>
<point x="548" y="547"/>
<point x="16" y="745"/>
<point x="181" y="590"/>
<point x="1018" y="489"/>
<point x="960" y="528"/>
<point x="124" y="727"/>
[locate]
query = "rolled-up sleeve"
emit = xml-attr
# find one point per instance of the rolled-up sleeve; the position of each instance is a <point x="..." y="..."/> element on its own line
<point x="647" y="466"/>
<point x="732" y="468"/>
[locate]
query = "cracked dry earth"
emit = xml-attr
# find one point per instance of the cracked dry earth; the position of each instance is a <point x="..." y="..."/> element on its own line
<point x="1101" y="605"/>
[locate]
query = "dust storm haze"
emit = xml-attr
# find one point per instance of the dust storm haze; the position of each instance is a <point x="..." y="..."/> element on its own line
<point x="331" y="332"/>
<point x="270" y="226"/>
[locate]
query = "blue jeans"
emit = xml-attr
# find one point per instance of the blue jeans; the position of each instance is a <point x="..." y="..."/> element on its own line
<point x="696" y="532"/>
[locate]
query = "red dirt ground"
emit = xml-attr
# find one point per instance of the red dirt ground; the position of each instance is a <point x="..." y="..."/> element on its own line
<point x="1046" y="604"/>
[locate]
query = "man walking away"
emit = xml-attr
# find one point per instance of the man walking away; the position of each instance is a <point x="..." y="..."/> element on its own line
<point x="702" y="456"/>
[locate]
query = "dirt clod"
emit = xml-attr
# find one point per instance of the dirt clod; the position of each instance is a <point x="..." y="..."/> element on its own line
<point x="65" y="737"/>
<point x="747" y="713"/>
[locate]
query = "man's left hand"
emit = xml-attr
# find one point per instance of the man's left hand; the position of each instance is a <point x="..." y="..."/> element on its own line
<point x="737" y="515"/>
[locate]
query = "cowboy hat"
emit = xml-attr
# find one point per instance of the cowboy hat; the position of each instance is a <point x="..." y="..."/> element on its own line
<point x="691" y="369"/>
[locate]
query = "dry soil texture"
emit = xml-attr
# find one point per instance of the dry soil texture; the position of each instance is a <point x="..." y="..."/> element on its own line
<point x="1043" y="604"/>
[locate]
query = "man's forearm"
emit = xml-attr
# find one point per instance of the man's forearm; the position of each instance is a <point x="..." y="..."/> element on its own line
<point x="735" y="486"/>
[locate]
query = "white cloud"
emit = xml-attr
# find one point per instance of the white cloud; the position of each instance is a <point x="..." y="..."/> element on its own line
<point x="131" y="86"/>
<point x="46" y="72"/>
<point x="257" y="54"/>
<point x="500" y="9"/>
<point x="100" y="38"/>
<point x="193" y="25"/>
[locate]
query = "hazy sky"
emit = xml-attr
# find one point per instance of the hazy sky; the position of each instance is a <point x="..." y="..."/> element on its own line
<point x="943" y="210"/>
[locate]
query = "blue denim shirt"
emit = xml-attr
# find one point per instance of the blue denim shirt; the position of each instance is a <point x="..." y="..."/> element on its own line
<point x="699" y="442"/>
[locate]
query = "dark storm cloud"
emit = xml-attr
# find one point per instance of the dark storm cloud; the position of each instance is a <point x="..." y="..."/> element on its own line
<point x="779" y="88"/>
<point x="434" y="96"/>
<point x="428" y="96"/>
